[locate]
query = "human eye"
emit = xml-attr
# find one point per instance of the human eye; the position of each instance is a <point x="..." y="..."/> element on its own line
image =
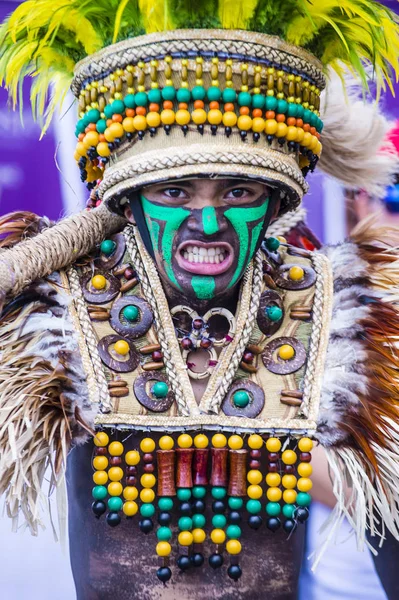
<point x="175" y="193"/>
<point x="239" y="193"/>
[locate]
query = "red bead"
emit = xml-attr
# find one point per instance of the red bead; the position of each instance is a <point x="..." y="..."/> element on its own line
<point x="205" y="343"/>
<point x="115" y="461"/>
<point x="129" y="273"/>
<point x="149" y="468"/>
<point x="272" y="467"/>
<point x="157" y="356"/>
<point x="254" y="464"/>
<point x="198" y="323"/>
<point x="267" y="268"/>
<point x="289" y="469"/>
<point x="255" y="454"/>
<point x="248" y="357"/>
<point x="131" y="470"/>
<point x="131" y="480"/>
<point x="186" y="343"/>
<point x="148" y="457"/>
<point x="102" y="451"/>
<point x="272" y="457"/>
<point x="305" y="457"/>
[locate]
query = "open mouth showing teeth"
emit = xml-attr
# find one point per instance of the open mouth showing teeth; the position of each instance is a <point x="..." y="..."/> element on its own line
<point x="200" y="254"/>
<point x="205" y="259"/>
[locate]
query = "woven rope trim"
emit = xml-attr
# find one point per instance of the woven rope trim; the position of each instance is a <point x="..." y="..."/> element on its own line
<point x="284" y="224"/>
<point x="251" y="44"/>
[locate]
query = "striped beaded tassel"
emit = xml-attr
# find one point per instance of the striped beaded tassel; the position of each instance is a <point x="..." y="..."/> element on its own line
<point x="166" y="458"/>
<point x="237" y="489"/>
<point x="184" y="484"/>
<point x="218" y="482"/>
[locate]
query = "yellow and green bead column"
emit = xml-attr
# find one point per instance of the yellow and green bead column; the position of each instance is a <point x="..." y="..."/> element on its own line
<point x="100" y="475"/>
<point x="201" y="444"/>
<point x="147" y="494"/>
<point x="165" y="505"/>
<point x="130" y="491"/>
<point x="219" y="453"/>
<point x="273" y="481"/>
<point x="184" y="492"/>
<point x="304" y="483"/>
<point x="254" y="478"/>
<point x="115" y="487"/>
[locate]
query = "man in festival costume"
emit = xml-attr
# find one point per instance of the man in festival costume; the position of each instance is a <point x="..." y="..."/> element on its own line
<point x="190" y="358"/>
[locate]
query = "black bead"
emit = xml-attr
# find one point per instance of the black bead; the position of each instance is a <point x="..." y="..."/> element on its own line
<point x="129" y="135"/>
<point x="164" y="574"/>
<point x="289" y="525"/>
<point x="234" y="517"/>
<point x="185" y="129"/>
<point x="167" y="129"/>
<point x="243" y="135"/>
<point x="164" y="518"/>
<point x="291" y="146"/>
<point x="256" y="136"/>
<point x="273" y="523"/>
<point x="146" y="525"/>
<point x="82" y="161"/>
<point x="301" y="514"/>
<point x="117" y="141"/>
<point x="234" y="572"/>
<point x="255" y="521"/>
<point x="228" y="131"/>
<point x="269" y="138"/>
<point x="185" y="508"/>
<point x="197" y="559"/>
<point x="111" y="146"/>
<point x="218" y="506"/>
<point x="214" y="129"/>
<point x="184" y="563"/>
<point x="199" y="506"/>
<point x="98" y="508"/>
<point x="152" y="131"/>
<point x="215" y="561"/>
<point x="141" y="134"/>
<point x="113" y="519"/>
<point x="201" y="129"/>
<point x="281" y="141"/>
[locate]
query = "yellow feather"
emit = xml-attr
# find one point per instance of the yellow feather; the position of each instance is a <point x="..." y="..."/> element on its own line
<point x="118" y="19"/>
<point x="156" y="15"/>
<point x="236" y="14"/>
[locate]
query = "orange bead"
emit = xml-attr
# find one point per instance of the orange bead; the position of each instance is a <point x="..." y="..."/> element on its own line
<point x="199" y="104"/>
<point x="270" y="114"/>
<point x="91" y="127"/>
<point x="257" y="112"/>
<point x="109" y="122"/>
<point x="280" y="118"/>
<point x="299" y="122"/>
<point x="229" y="107"/>
<point x="117" y="118"/>
<point x="306" y="127"/>
<point x="81" y="137"/>
<point x="183" y="105"/>
<point x="291" y="121"/>
<point x="154" y="107"/>
<point x="141" y="110"/>
<point x="168" y="104"/>
<point x="130" y="112"/>
<point x="244" y="110"/>
<point x="101" y="138"/>
<point x="214" y="105"/>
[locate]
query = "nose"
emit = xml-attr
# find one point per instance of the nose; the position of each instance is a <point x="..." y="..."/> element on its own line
<point x="208" y="221"/>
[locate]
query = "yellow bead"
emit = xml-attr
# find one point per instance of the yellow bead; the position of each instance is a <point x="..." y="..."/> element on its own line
<point x="318" y="148"/>
<point x="130" y="493"/>
<point x="98" y="282"/>
<point x="274" y="494"/>
<point x="100" y="477"/>
<point x="305" y="444"/>
<point x="201" y="441"/>
<point x="130" y="508"/>
<point x="109" y="136"/>
<point x="236" y="442"/>
<point x="81" y="149"/>
<point x="128" y="124"/>
<point x="215" y="116"/>
<point x="305" y="469"/>
<point x="199" y="536"/>
<point x="219" y="440"/>
<point x="140" y="122"/>
<point x="185" y="538"/>
<point x="100" y="463"/>
<point x="116" y="129"/>
<point x="102" y="149"/>
<point x="147" y="445"/>
<point x="91" y="139"/>
<point x="153" y="119"/>
<point x="273" y="479"/>
<point x="254" y="476"/>
<point x="289" y="496"/>
<point x="115" y="488"/>
<point x="147" y="495"/>
<point x="289" y="457"/>
<point x="258" y="124"/>
<point x="101" y="439"/>
<point x="183" y="117"/>
<point x="296" y="273"/>
<point x="230" y="119"/>
<point x="218" y="536"/>
<point x="312" y="146"/>
<point x="148" y="480"/>
<point x="289" y="481"/>
<point x="233" y="547"/>
<point x="291" y="133"/>
<point x="163" y="549"/>
<point x="255" y="441"/>
<point x="185" y="441"/>
<point x="115" y="473"/>
<point x="286" y="352"/>
<point x="271" y="126"/>
<point x="281" y="131"/>
<point x="166" y="442"/>
<point x="273" y="445"/>
<point x="132" y="458"/>
<point x="199" y="116"/>
<point x="168" y="116"/>
<point x="304" y="484"/>
<point x="244" y="122"/>
<point x="121" y="347"/>
<point x="299" y="134"/>
<point x="254" y="491"/>
<point x="115" y="449"/>
<point x="281" y="239"/>
<point x="307" y="138"/>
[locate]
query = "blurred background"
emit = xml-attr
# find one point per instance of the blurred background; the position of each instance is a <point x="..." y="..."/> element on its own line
<point x="41" y="176"/>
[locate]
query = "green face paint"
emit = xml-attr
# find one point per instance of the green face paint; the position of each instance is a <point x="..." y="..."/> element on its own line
<point x="209" y="220"/>
<point x="204" y="287"/>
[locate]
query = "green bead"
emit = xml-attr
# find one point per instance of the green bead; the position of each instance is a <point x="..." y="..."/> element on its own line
<point x="99" y="492"/>
<point x="229" y="95"/>
<point x="198" y="521"/>
<point x="292" y="110"/>
<point x="199" y="491"/>
<point x="313" y="120"/>
<point x="131" y="312"/>
<point x="258" y="101"/>
<point x="147" y="510"/>
<point x="130" y="101"/>
<point x="288" y="511"/>
<point x="244" y="99"/>
<point x="81" y="126"/>
<point x="320" y="126"/>
<point x="241" y="398"/>
<point x="164" y="534"/>
<point x="115" y="503"/>
<point x="274" y="313"/>
<point x="272" y="244"/>
<point x="273" y="509"/>
<point x="271" y="103"/>
<point x="214" y="94"/>
<point x="155" y="96"/>
<point x="165" y="503"/>
<point x="183" y="95"/>
<point x="218" y="493"/>
<point x="168" y="93"/>
<point x="198" y="92"/>
<point x="219" y="521"/>
<point x="108" y="111"/>
<point x="160" y="389"/>
<point x="282" y="106"/>
<point x="141" y="99"/>
<point x="233" y="532"/>
<point x="107" y="247"/>
<point x="183" y="494"/>
<point x="118" y="107"/>
<point x="253" y="506"/>
<point x="93" y="115"/>
<point x="303" y="499"/>
<point x="299" y="111"/>
<point x="235" y="503"/>
<point x="185" y="523"/>
<point x="307" y="115"/>
<point x="101" y="125"/>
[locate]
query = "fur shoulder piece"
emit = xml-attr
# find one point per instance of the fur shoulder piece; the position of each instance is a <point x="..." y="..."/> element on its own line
<point x="359" y="411"/>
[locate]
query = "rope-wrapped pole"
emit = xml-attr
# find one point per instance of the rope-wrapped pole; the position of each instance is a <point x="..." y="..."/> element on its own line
<point x="54" y="248"/>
